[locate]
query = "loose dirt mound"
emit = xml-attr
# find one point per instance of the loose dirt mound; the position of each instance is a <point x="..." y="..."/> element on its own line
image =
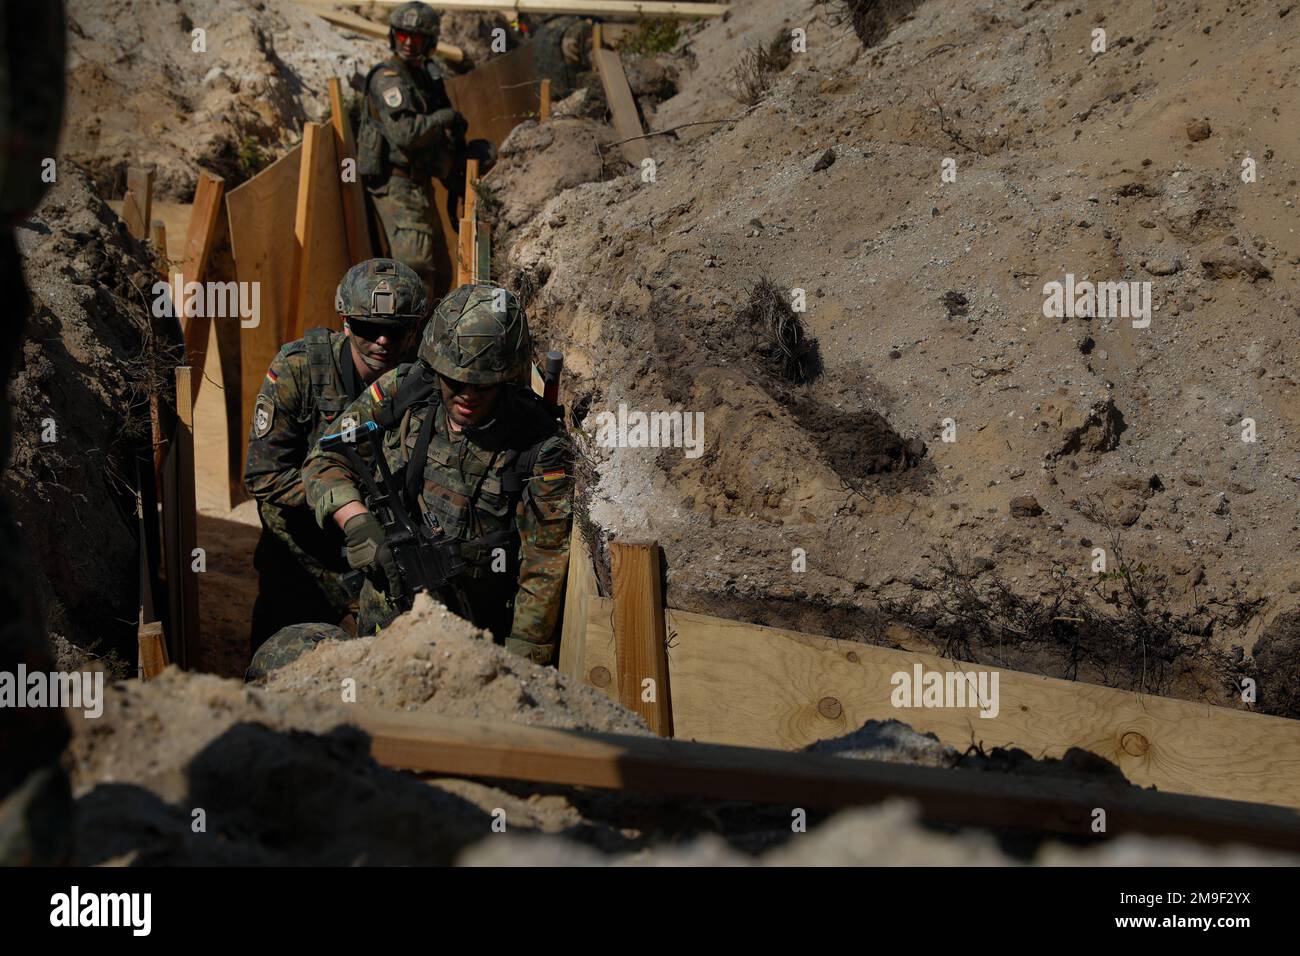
<point x="888" y="835"/>
<point x="81" y="415"/>
<point x="431" y="661"/>
<point x="273" y="780"/>
<point x="926" y="298"/>
<point x="536" y="161"/>
<point x="141" y="93"/>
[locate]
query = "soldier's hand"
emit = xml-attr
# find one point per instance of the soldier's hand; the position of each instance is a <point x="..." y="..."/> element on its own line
<point x="366" y="548"/>
<point x="365" y="536"/>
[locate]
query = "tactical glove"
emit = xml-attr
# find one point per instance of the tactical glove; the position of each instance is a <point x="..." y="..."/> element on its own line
<point x="367" y="551"/>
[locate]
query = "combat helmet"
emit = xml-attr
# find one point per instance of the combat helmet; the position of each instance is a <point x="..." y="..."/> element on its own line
<point x="479" y="335"/>
<point x="415" y="17"/>
<point x="382" y="291"/>
<point x="288" y="644"/>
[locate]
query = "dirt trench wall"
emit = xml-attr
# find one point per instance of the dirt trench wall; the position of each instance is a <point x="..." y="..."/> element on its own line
<point x="80" y="412"/>
<point x="926" y="297"/>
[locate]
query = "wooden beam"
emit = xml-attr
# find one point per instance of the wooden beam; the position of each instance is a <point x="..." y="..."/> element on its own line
<point x="759" y="686"/>
<point x="639" y="633"/>
<point x="632" y="9"/>
<point x="137" y="208"/>
<point x="354" y="198"/>
<point x="204" y="220"/>
<point x="445" y="746"/>
<point x="597" y="37"/>
<point x="622" y="108"/>
<point x="350" y="21"/>
<point x="544" y="100"/>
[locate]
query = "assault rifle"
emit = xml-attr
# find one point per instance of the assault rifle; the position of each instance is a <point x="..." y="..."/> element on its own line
<point x="426" y="559"/>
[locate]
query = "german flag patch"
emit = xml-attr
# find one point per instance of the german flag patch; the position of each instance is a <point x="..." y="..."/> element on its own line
<point x="271" y="376"/>
<point x="553" y="475"/>
<point x="376" y="394"/>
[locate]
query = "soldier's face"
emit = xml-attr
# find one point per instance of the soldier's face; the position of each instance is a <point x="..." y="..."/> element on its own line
<point x="412" y="46"/>
<point x="468" y="404"/>
<point x="377" y="346"/>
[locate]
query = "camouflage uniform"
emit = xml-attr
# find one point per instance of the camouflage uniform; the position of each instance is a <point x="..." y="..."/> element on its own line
<point x="35" y="800"/>
<point x="300" y="566"/>
<point x="288" y="644"/>
<point x="503" y="489"/>
<point x="301" y="569"/>
<point x="562" y="53"/>
<point x="408" y="134"/>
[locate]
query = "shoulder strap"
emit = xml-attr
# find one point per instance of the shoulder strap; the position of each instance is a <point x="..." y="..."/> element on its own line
<point x="320" y="357"/>
<point x="419" y="386"/>
<point x="413" y="476"/>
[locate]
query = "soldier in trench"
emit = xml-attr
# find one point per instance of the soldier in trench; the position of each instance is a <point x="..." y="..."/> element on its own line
<point x="409" y="134"/>
<point x="302" y="575"/>
<point x="491" y="469"/>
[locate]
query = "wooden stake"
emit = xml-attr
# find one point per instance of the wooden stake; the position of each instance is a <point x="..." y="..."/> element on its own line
<point x="597" y="39"/>
<point x="471" y="189"/>
<point x="354" y="200"/>
<point x="482" y="254"/>
<point x="137" y="209"/>
<point x="639" y="633"/>
<point x="466" y="252"/>
<point x="153" y="650"/>
<point x="622" y="107"/>
<point x="158" y="236"/>
<point x="183" y="583"/>
<point x="194" y="266"/>
<point x="544" y="95"/>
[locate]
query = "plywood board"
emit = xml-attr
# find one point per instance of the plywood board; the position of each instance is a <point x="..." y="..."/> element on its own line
<point x="261" y="213"/>
<point x="497" y="96"/>
<point x="322" y="246"/>
<point x="759" y="686"/>
<point x="353" y="194"/>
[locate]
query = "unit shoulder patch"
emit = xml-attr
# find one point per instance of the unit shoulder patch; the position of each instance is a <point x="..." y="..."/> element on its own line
<point x="263" y="416"/>
<point x="393" y="97"/>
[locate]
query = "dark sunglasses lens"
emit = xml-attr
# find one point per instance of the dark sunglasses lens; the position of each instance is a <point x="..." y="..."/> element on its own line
<point x="371" y="330"/>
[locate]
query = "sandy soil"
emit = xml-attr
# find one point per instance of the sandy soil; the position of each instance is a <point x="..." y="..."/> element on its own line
<point x="139" y="93"/>
<point x="926" y="301"/>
